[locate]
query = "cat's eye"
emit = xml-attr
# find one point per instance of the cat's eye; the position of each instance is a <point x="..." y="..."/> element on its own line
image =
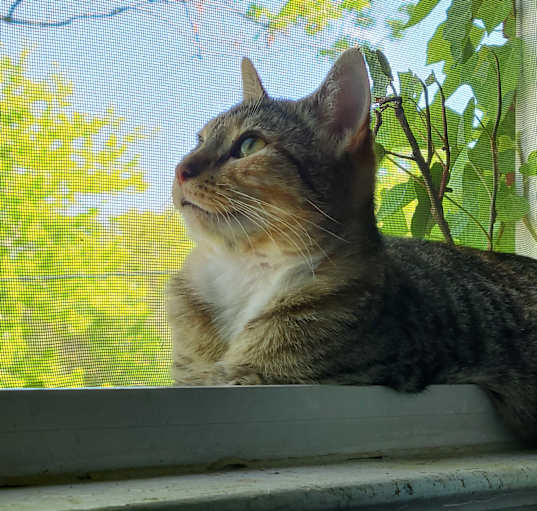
<point x="248" y="146"/>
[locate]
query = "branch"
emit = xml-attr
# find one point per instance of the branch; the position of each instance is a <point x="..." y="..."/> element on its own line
<point x="378" y="123"/>
<point x="194" y="28"/>
<point x="436" y="205"/>
<point x="92" y="15"/>
<point x="404" y="156"/>
<point x="13" y="7"/>
<point x="494" y="150"/>
<point x="445" y="141"/>
<point x="453" y="201"/>
<point x="463" y="209"/>
<point x="430" y="149"/>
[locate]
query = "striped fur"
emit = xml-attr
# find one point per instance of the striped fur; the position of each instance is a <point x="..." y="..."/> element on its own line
<point x="291" y="282"/>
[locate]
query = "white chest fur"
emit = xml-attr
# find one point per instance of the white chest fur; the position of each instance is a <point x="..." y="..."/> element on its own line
<point x="239" y="287"/>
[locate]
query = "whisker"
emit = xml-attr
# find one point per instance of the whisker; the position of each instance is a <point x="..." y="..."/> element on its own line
<point x="273" y="206"/>
<point x="322" y="212"/>
<point x="252" y="210"/>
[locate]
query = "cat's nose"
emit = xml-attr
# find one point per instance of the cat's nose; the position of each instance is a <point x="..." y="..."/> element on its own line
<point x="185" y="171"/>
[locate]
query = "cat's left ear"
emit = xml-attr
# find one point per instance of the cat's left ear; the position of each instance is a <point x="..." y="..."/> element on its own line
<point x="252" y="88"/>
<point x="343" y="100"/>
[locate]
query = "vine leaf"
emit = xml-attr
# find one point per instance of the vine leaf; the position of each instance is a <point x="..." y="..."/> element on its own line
<point x="422" y="219"/>
<point x="396" y="198"/>
<point x="420" y="11"/>
<point x="529" y="168"/>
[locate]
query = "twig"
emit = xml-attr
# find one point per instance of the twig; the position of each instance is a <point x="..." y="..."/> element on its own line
<point x="378" y="123"/>
<point x="404" y="156"/>
<point x="463" y="209"/>
<point x="193" y="27"/>
<point x="445" y="140"/>
<point x="436" y="206"/>
<point x="61" y="23"/>
<point x="494" y="150"/>
<point x="430" y="149"/>
<point x="13" y="7"/>
<point x="481" y="178"/>
<point x="453" y="201"/>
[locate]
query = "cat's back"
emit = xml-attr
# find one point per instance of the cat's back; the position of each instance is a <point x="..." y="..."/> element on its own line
<point x="441" y="262"/>
<point x="459" y="292"/>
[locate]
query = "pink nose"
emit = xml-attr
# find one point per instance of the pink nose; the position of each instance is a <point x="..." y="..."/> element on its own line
<point x="185" y="171"/>
<point x="181" y="173"/>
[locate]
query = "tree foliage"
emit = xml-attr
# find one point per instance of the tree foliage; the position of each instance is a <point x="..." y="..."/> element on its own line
<point x="76" y="307"/>
<point x="450" y="175"/>
<point x="81" y="298"/>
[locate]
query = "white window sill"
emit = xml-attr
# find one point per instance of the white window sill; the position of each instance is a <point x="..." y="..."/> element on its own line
<point x="84" y="432"/>
<point x="463" y="483"/>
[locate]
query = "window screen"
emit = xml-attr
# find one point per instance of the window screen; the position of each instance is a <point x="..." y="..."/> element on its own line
<point x="99" y="100"/>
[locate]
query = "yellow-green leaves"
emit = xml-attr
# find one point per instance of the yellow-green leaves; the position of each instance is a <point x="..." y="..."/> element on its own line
<point x="76" y="305"/>
<point x="315" y="14"/>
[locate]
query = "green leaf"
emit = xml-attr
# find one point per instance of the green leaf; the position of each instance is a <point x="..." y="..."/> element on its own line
<point x="420" y="11"/>
<point x="379" y="151"/>
<point x="493" y="13"/>
<point x="505" y="142"/>
<point x="509" y="27"/>
<point x="437" y="47"/>
<point x="476" y="4"/>
<point x="395" y="224"/>
<point x="464" y="134"/>
<point x="422" y="219"/>
<point x="457" y="28"/>
<point x="529" y="168"/>
<point x="395" y="199"/>
<point x="430" y="79"/>
<point x="410" y="85"/>
<point x="380" y="80"/>
<point x="510" y="206"/>
<point x="355" y="5"/>
<point x="384" y="64"/>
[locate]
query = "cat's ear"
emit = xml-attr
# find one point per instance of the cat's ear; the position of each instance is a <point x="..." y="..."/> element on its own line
<point x="343" y="100"/>
<point x="252" y="88"/>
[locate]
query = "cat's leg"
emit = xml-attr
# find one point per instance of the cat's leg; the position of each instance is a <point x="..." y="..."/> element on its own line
<point x="196" y="346"/>
<point x="277" y="349"/>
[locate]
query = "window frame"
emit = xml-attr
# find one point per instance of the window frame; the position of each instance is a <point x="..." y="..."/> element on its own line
<point x="526" y="121"/>
<point x="49" y="432"/>
<point x="53" y="432"/>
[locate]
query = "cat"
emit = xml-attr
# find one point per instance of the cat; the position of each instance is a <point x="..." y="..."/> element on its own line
<point x="291" y="281"/>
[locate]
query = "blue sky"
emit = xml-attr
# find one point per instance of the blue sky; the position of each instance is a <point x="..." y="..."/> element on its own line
<point x="147" y="65"/>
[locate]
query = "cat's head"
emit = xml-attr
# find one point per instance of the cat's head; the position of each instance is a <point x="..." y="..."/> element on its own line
<point x="287" y="176"/>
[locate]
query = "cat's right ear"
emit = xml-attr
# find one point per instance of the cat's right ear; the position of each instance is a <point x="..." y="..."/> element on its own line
<point x="343" y="100"/>
<point x="252" y="89"/>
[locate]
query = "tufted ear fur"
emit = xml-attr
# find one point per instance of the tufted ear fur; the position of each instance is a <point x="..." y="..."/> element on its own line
<point x="343" y="100"/>
<point x="252" y="88"/>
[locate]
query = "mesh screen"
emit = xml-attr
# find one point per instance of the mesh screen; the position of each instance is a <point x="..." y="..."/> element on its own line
<point x="100" y="100"/>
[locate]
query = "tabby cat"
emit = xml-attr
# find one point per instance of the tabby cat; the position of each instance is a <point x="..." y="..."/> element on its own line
<point x="291" y="281"/>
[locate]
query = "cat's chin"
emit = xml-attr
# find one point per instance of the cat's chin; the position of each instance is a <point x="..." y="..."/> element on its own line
<point x="190" y="206"/>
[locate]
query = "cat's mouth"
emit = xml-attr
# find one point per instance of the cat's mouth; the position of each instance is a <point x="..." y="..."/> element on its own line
<point x="187" y="204"/>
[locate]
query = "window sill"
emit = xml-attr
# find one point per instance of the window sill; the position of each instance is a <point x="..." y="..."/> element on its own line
<point x="505" y="481"/>
<point x="86" y="432"/>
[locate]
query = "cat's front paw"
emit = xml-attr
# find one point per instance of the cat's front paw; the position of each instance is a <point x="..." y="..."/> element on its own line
<point x="224" y="374"/>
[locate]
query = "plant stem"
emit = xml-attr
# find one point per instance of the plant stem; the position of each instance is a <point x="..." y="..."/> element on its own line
<point x="430" y="149"/>
<point x="378" y="124"/>
<point x="453" y="201"/>
<point x="404" y="156"/>
<point x="462" y="208"/>
<point x="436" y="206"/>
<point x="445" y="141"/>
<point x="494" y="150"/>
